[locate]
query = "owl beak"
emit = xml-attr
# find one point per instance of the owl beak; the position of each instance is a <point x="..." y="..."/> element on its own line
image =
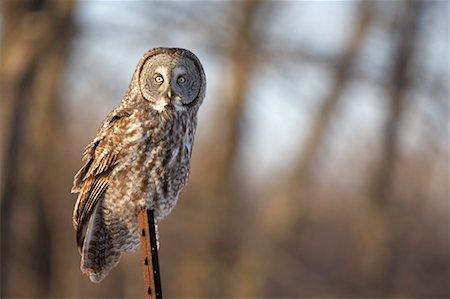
<point x="167" y="96"/>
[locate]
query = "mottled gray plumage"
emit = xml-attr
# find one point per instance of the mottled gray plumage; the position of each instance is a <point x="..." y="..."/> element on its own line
<point x="139" y="158"/>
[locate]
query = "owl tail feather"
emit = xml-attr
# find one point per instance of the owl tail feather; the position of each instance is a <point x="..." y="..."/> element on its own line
<point x="98" y="254"/>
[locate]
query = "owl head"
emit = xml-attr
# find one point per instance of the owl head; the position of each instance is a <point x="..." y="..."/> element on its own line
<point x="170" y="78"/>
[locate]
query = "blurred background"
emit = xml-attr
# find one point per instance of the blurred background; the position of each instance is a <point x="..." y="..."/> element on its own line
<point x="321" y="161"/>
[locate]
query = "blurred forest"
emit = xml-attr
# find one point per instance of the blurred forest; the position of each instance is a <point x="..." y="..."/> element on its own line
<point x="321" y="162"/>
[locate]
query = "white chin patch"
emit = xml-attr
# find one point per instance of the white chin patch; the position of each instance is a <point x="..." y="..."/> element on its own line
<point x="161" y="106"/>
<point x="177" y="104"/>
<point x="179" y="107"/>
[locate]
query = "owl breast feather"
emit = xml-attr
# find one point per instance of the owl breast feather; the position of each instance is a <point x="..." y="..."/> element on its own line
<point x="158" y="167"/>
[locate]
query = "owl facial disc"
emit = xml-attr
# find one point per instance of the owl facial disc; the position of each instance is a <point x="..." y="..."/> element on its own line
<point x="170" y="81"/>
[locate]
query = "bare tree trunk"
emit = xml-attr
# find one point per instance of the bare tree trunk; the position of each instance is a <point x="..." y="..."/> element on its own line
<point x="405" y="37"/>
<point x="380" y="275"/>
<point x="231" y="207"/>
<point x="33" y="48"/>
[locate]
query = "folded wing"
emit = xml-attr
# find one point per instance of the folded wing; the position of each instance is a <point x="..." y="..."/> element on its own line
<point x="92" y="180"/>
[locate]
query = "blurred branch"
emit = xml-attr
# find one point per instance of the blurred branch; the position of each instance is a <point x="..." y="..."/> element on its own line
<point x="342" y="76"/>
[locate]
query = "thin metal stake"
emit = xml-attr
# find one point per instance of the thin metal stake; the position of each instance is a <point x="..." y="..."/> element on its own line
<point x="149" y="250"/>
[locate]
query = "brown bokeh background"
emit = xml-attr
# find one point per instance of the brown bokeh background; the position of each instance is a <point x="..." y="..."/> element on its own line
<point x="320" y="167"/>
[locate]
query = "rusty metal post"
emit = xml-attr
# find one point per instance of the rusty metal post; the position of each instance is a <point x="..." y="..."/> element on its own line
<point x="149" y="250"/>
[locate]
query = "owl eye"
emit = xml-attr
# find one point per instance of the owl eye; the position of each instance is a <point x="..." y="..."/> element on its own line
<point x="159" y="79"/>
<point x="181" y="80"/>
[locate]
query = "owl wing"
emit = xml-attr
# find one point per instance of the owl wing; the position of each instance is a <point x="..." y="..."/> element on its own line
<point x="92" y="180"/>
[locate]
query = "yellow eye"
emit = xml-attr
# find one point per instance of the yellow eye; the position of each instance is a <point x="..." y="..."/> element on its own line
<point x="159" y="79"/>
<point x="181" y="80"/>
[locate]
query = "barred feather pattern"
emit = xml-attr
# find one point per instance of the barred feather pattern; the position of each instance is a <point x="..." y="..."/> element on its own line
<point x="139" y="158"/>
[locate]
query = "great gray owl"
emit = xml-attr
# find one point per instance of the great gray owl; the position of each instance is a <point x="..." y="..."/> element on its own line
<point x="139" y="158"/>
